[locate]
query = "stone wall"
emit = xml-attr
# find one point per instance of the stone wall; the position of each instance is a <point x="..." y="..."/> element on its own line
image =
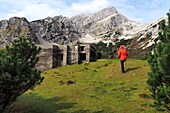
<point x="60" y="55"/>
<point x="84" y="53"/>
<point x="47" y="59"/>
<point x="73" y="54"/>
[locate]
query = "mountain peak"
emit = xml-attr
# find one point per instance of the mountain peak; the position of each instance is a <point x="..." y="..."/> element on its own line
<point x="106" y="12"/>
<point x="110" y="9"/>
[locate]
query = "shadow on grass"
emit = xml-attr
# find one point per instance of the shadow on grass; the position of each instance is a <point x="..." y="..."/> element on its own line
<point x="145" y="96"/>
<point x="88" y="111"/>
<point x="32" y="103"/>
<point x="131" y="69"/>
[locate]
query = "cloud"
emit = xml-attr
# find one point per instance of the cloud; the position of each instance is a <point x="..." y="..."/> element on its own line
<point x="34" y="11"/>
<point x="144" y="11"/>
<point x="90" y="5"/>
<point x="41" y="9"/>
<point x="38" y="9"/>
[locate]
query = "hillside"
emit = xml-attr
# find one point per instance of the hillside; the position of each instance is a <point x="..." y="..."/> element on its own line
<point x="97" y="87"/>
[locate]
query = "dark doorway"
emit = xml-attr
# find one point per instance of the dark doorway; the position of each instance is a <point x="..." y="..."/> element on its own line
<point x="82" y="57"/>
<point x="60" y="60"/>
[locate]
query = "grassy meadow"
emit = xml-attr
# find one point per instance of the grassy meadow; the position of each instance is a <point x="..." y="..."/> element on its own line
<point x="97" y="87"/>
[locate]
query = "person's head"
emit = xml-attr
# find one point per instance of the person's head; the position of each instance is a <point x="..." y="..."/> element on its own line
<point x="122" y="47"/>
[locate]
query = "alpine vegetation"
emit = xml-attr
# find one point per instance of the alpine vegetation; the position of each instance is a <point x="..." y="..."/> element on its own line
<point x="159" y="60"/>
<point x="17" y="70"/>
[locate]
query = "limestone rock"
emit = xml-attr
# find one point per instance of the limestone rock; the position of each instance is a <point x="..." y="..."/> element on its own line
<point x="56" y="30"/>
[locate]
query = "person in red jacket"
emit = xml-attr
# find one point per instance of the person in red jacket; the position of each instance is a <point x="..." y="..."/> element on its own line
<point x="122" y="55"/>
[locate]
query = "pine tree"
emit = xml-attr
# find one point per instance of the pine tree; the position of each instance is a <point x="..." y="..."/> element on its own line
<point x="159" y="60"/>
<point x="17" y="70"/>
<point x="104" y="51"/>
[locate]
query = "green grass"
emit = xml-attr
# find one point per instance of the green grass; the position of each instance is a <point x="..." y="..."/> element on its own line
<point x="97" y="87"/>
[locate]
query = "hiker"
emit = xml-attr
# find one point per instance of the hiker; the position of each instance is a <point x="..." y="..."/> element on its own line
<point x="122" y="55"/>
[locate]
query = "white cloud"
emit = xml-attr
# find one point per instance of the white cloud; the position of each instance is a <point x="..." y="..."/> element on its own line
<point x="34" y="11"/>
<point x="90" y="6"/>
<point x="140" y="10"/>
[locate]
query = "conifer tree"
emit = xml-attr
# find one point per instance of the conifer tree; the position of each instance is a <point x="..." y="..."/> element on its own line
<point x="159" y="60"/>
<point x="17" y="70"/>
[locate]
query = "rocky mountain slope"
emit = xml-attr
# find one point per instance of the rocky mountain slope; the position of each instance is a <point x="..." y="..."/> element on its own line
<point x="109" y="26"/>
<point x="106" y="25"/>
<point x="15" y="27"/>
<point x="53" y="30"/>
<point x="58" y="29"/>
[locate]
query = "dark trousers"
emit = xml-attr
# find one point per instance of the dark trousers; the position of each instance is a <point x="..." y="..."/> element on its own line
<point x="122" y="66"/>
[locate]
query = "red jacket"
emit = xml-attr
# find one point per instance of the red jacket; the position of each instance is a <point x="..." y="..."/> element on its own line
<point x="122" y="53"/>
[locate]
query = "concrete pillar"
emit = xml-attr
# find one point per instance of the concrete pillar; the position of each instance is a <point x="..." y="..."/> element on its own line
<point x="65" y="55"/>
<point x="87" y="49"/>
<point x="76" y="54"/>
<point x="55" y="53"/>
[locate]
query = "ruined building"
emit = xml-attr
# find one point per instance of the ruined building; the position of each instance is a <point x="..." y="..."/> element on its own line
<point x="53" y="55"/>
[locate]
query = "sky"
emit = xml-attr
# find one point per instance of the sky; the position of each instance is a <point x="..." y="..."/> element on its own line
<point x="143" y="11"/>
